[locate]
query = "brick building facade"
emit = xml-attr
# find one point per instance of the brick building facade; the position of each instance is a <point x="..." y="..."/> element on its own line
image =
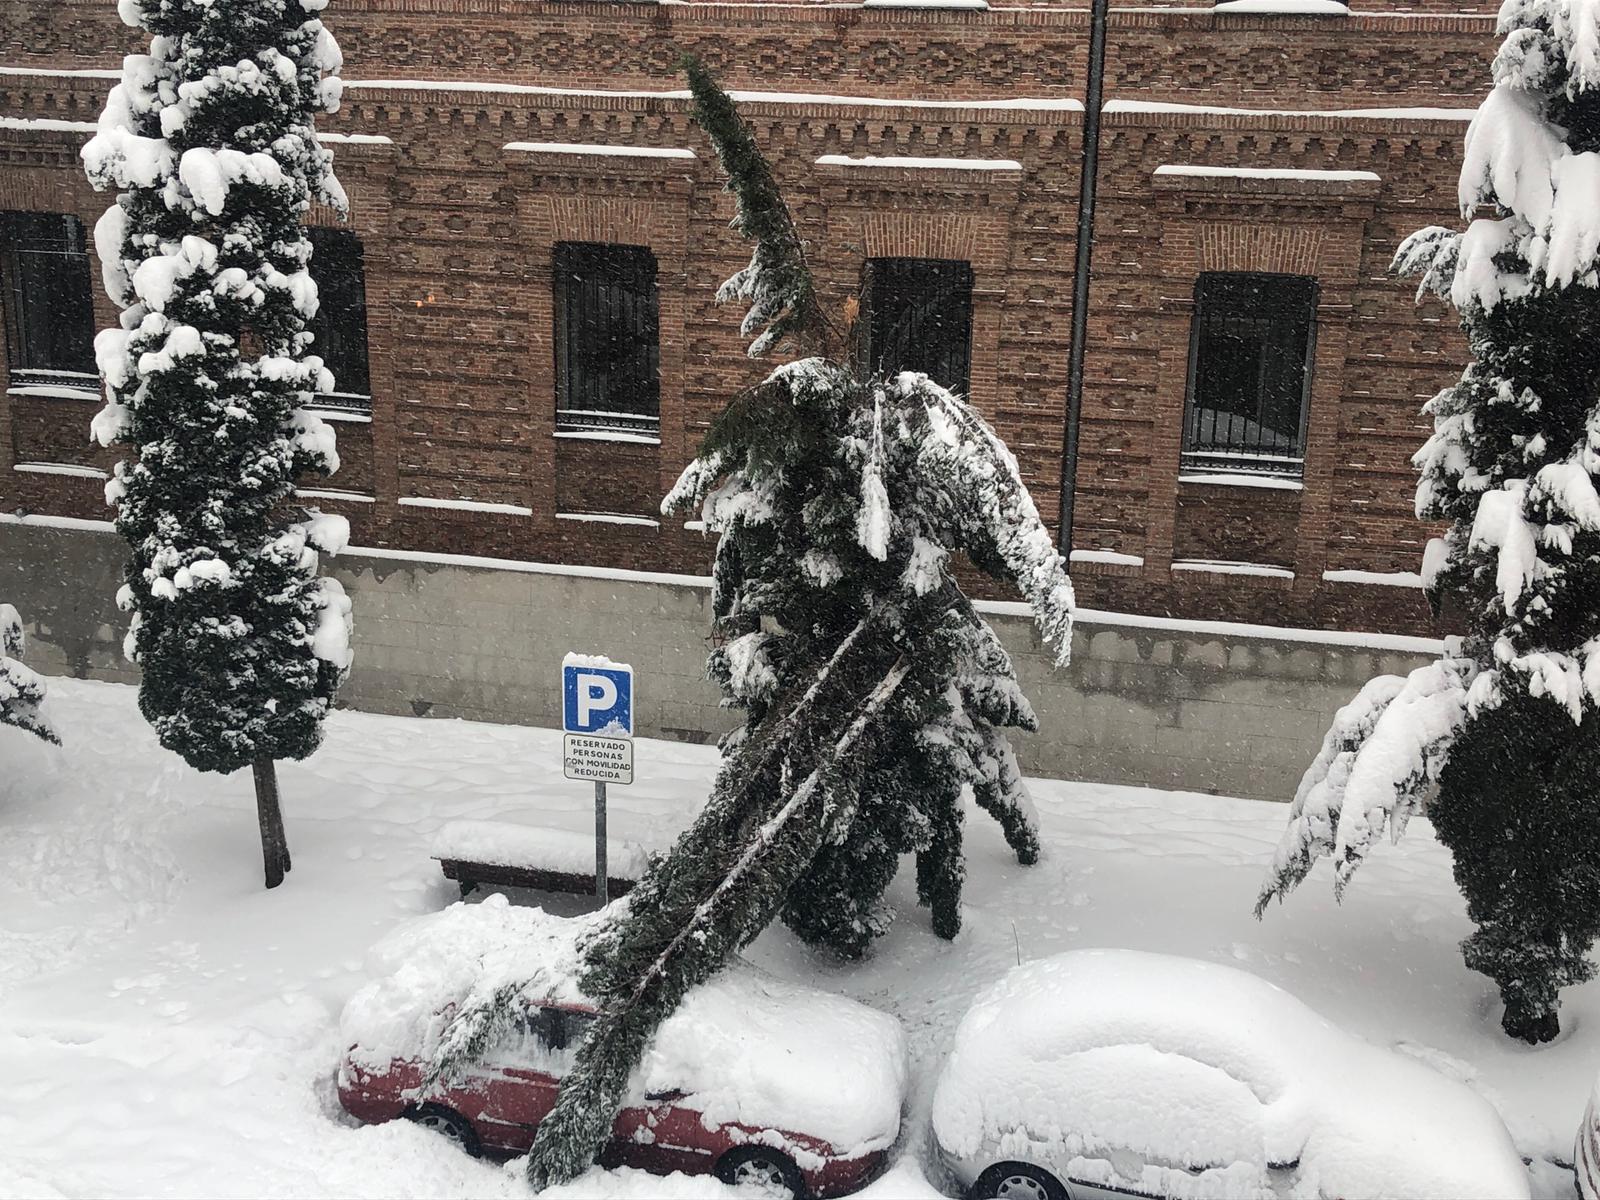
<point x="477" y="136"/>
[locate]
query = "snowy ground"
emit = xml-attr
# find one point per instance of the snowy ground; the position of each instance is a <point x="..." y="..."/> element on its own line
<point x="167" y="1027"/>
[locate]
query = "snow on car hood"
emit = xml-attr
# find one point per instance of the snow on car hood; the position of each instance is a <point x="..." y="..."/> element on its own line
<point x="745" y="1047"/>
<point x="1191" y="1079"/>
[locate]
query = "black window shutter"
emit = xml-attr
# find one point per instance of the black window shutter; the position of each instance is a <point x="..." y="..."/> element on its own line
<point x="340" y="326"/>
<point x="607" y="337"/>
<point x="918" y="315"/>
<point x="49" y="313"/>
<point x="1251" y="348"/>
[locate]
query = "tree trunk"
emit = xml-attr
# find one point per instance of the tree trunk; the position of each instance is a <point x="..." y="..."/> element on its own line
<point x="274" y="843"/>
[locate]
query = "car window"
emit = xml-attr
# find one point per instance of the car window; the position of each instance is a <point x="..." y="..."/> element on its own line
<point x="544" y="1026"/>
<point x="1160" y="1114"/>
<point x="575" y="1025"/>
<point x="536" y="1042"/>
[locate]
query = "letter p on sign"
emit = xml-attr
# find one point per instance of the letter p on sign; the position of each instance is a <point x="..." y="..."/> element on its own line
<point x="597" y="696"/>
<point x="596" y="693"/>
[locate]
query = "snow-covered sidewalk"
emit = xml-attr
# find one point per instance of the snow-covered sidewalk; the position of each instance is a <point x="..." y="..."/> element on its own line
<point x="167" y="1027"/>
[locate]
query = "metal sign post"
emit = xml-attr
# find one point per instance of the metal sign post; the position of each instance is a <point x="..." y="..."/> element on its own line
<point x="601" y="880"/>
<point x="597" y="716"/>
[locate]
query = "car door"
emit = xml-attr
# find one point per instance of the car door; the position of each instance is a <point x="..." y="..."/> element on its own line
<point x="519" y="1079"/>
<point x="661" y="1135"/>
<point x="1155" y="1123"/>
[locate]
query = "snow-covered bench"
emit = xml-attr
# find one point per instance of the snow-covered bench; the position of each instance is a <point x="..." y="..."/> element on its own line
<point x="531" y="856"/>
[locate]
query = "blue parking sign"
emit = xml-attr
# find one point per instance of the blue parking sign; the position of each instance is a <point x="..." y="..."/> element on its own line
<point x="597" y="696"/>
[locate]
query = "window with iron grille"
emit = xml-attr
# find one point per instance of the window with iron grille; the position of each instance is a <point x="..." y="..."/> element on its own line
<point x="49" y="317"/>
<point x="919" y="318"/>
<point x="340" y="325"/>
<point x="1250" y="353"/>
<point x="608" y="335"/>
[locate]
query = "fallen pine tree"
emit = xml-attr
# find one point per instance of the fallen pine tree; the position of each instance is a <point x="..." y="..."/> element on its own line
<point x="875" y="696"/>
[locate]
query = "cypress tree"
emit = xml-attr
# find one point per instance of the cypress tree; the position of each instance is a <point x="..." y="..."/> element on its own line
<point x="1499" y="738"/>
<point x="875" y="696"/>
<point x="834" y="490"/>
<point x="210" y="140"/>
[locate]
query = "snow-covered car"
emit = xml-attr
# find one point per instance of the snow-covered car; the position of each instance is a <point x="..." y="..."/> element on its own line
<point x="1586" y="1150"/>
<point x="752" y="1079"/>
<point x="1115" y="1073"/>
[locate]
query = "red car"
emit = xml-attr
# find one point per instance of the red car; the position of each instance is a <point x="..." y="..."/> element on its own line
<point x="753" y="1080"/>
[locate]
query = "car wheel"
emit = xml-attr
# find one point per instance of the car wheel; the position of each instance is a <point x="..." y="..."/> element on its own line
<point x="448" y="1124"/>
<point x="1017" y="1181"/>
<point x="757" y="1167"/>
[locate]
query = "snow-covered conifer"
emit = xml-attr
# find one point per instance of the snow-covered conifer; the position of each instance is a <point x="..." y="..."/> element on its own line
<point x="209" y="138"/>
<point x="21" y="690"/>
<point x="1501" y="738"/>
<point x="839" y="494"/>
<point x="834" y="492"/>
<point x="875" y="697"/>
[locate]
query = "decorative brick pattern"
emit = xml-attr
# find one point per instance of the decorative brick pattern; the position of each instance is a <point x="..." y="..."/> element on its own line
<point x="458" y="233"/>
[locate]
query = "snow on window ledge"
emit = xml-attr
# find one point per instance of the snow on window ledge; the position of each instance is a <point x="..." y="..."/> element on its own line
<point x="597" y="148"/>
<point x="63" y="73"/>
<point x="458" y="505"/>
<point x="76" y="524"/>
<point x="1244" y="479"/>
<point x="609" y="435"/>
<point x="1215" y="567"/>
<point x="921" y="164"/>
<point x="75" y="470"/>
<point x="1172" y="108"/>
<point x="55" y="391"/>
<point x="333" y="494"/>
<point x="50" y="124"/>
<point x="1402" y="579"/>
<point x="353" y="139"/>
<point x="48" y="383"/>
<point x="609" y="519"/>
<point x="1302" y="174"/>
<point x="1107" y="558"/>
<point x="1286" y="8"/>
<point x="978" y="5"/>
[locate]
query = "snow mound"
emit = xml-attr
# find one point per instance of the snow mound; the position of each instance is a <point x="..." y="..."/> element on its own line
<point x="1187" y="1079"/>
<point x="503" y="843"/>
<point x="744" y="1047"/>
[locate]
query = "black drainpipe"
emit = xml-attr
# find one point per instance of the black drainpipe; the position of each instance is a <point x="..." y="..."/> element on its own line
<point x="1080" y="270"/>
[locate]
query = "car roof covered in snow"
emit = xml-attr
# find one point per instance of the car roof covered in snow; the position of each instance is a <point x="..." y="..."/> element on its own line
<point x="1182" y="1077"/>
<point x="745" y="1047"/>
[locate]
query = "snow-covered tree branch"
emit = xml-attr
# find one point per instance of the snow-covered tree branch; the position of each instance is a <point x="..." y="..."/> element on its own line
<point x="21" y="690"/>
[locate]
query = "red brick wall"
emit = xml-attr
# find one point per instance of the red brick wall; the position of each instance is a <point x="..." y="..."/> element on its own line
<point x="458" y="230"/>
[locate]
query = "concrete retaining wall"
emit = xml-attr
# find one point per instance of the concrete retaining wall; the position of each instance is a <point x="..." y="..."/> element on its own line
<point x="1171" y="705"/>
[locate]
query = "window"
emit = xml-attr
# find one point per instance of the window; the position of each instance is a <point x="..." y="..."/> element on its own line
<point x="44" y="274"/>
<point x="340" y="325"/>
<point x="919" y="318"/>
<point x="575" y="1025"/>
<point x="1249" y="373"/>
<point x="608" y="339"/>
<point x="546" y="1038"/>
